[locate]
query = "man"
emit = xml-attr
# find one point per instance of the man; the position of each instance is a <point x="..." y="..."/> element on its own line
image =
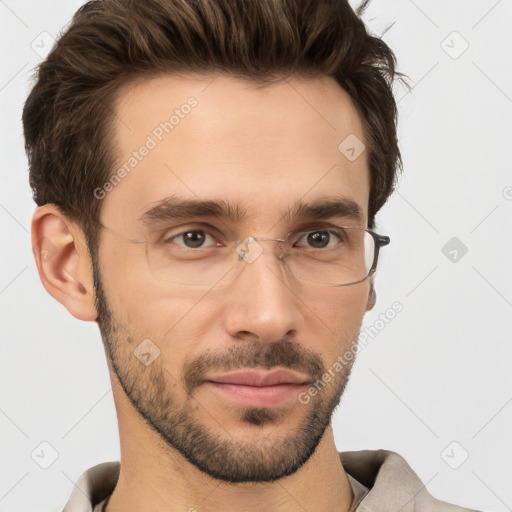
<point x="207" y="175"/>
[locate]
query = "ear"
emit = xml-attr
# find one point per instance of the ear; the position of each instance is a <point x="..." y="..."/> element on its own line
<point x="372" y="297"/>
<point x="63" y="261"/>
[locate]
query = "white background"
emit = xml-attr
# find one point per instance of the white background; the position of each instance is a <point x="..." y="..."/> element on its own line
<point x="438" y="373"/>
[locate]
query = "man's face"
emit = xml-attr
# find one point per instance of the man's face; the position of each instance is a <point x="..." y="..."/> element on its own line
<point x="263" y="150"/>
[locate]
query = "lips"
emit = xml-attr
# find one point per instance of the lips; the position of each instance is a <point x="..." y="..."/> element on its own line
<point x="260" y="378"/>
<point x="256" y="388"/>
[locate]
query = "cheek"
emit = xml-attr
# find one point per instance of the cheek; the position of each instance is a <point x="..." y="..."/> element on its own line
<point x="343" y="305"/>
<point x="337" y="315"/>
<point x="143" y="305"/>
<point x="173" y="319"/>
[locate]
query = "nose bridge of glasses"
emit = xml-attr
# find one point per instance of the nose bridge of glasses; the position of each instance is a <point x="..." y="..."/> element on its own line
<point x="250" y="248"/>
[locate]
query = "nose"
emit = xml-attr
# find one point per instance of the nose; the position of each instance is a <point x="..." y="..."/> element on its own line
<point x="262" y="301"/>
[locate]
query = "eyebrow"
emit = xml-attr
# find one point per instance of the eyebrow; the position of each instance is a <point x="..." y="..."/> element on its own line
<point x="173" y="208"/>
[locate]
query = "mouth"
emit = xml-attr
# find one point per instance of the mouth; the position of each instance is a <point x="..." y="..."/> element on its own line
<point x="257" y="388"/>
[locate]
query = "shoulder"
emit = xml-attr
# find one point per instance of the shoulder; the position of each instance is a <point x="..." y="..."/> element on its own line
<point x="392" y="483"/>
<point x="93" y="486"/>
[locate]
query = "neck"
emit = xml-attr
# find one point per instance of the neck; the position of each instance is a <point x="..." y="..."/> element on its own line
<point x="156" y="477"/>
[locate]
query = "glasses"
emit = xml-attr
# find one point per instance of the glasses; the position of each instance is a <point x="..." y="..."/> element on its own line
<point x="330" y="256"/>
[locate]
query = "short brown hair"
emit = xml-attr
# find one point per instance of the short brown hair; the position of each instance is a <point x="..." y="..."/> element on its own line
<point x="68" y="114"/>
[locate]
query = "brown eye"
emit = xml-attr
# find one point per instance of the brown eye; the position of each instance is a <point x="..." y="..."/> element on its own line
<point x="319" y="239"/>
<point x="191" y="239"/>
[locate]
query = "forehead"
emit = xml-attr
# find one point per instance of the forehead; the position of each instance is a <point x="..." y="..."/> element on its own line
<point x="214" y="137"/>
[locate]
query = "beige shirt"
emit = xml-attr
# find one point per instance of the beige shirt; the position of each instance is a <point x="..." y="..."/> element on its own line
<point x="358" y="490"/>
<point x="380" y="480"/>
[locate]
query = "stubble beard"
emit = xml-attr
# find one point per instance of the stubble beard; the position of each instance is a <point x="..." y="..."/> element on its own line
<point x="220" y="454"/>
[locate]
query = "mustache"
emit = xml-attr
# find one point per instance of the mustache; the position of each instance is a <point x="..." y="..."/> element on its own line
<point x="283" y="353"/>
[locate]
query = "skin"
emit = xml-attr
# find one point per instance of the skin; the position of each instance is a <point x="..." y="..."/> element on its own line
<point x="264" y="148"/>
